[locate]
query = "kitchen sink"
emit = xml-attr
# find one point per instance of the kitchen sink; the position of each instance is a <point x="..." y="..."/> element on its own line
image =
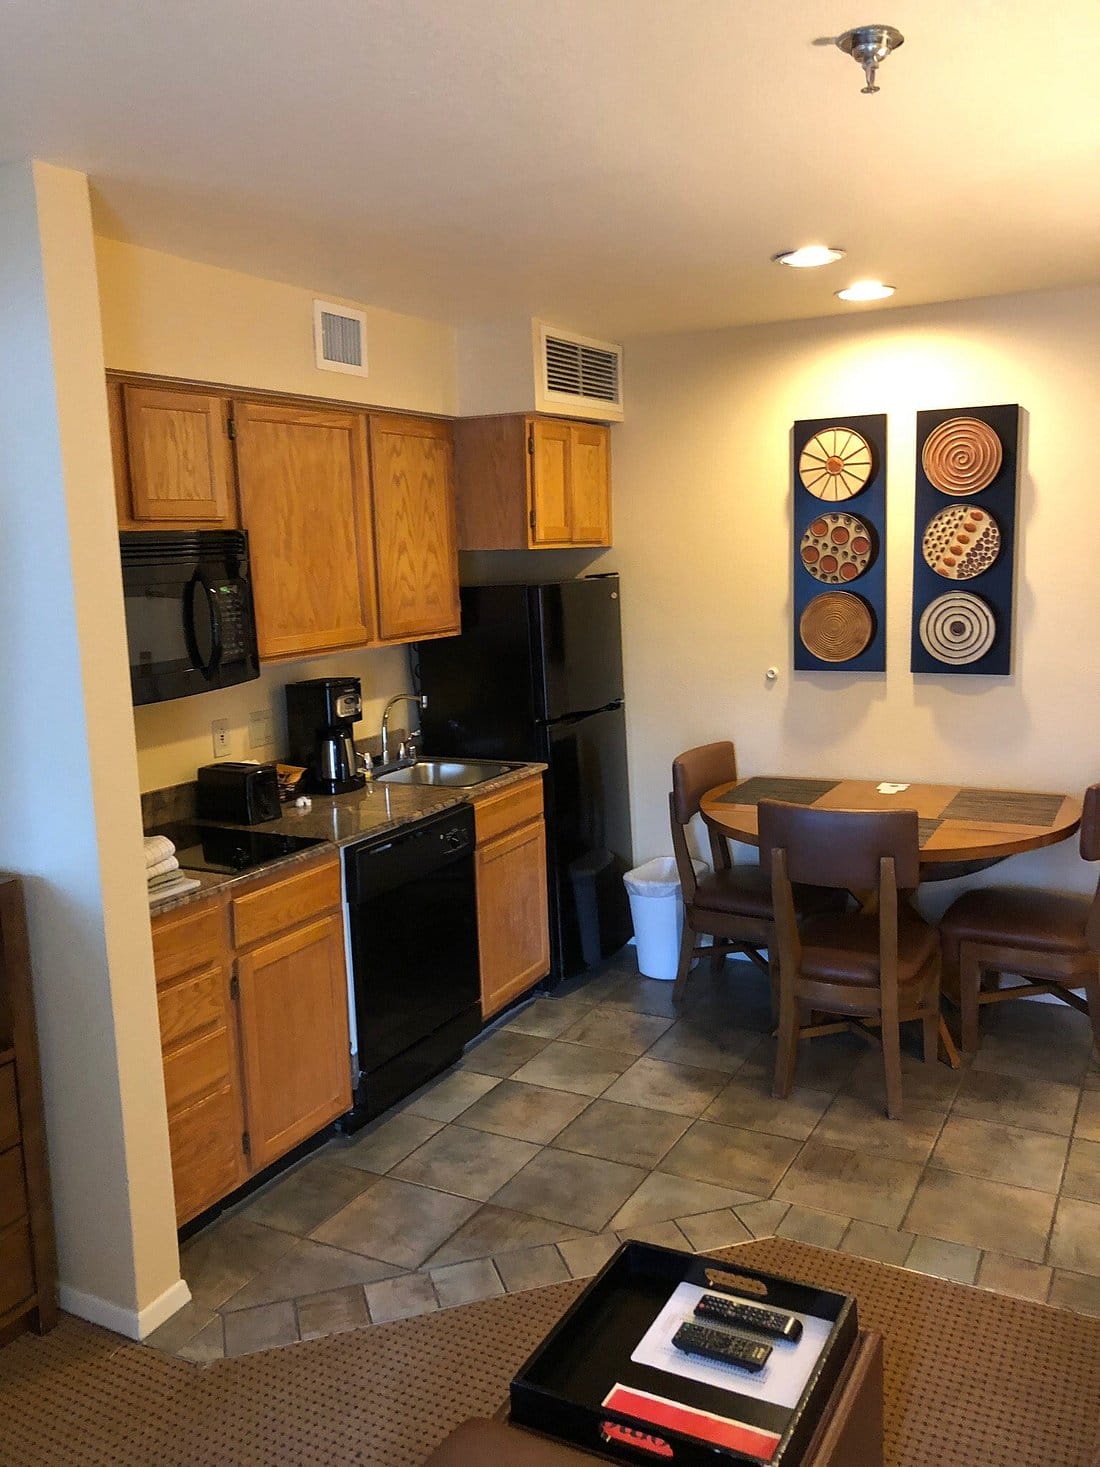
<point x="455" y="773"/>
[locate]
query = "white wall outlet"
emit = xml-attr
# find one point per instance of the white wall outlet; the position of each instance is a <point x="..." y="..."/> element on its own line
<point x="261" y="728"/>
<point x="219" y="733"/>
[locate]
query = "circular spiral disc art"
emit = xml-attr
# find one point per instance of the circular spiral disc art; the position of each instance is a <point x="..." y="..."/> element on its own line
<point x="957" y="628"/>
<point x="961" y="541"/>
<point x="836" y="626"/>
<point x="835" y="464"/>
<point x="962" y="456"/>
<point x="836" y="548"/>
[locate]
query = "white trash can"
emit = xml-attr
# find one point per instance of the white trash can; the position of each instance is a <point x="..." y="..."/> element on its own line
<point x="657" y="911"/>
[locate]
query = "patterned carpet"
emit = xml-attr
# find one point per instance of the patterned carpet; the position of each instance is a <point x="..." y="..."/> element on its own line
<point x="971" y="1378"/>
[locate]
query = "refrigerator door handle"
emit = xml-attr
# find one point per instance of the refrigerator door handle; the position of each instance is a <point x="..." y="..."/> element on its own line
<point x="568" y="718"/>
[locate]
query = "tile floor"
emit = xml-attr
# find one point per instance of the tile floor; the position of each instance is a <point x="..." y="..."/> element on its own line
<point x="603" y="1114"/>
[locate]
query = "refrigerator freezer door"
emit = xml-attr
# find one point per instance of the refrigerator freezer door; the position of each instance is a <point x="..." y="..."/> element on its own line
<point x="588" y="839"/>
<point x="577" y="637"/>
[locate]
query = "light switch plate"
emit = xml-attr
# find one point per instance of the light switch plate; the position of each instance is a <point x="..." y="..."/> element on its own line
<point x="219" y="734"/>
<point x="261" y="728"/>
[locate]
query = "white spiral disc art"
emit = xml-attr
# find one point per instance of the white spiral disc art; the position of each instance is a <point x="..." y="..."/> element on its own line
<point x="957" y="628"/>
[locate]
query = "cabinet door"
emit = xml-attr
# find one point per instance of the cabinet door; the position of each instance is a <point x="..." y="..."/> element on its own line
<point x="590" y="505"/>
<point x="512" y="921"/>
<point x="416" y="558"/>
<point x="294" y="1030"/>
<point x="305" y="504"/>
<point x="177" y="451"/>
<point x="551" y="475"/>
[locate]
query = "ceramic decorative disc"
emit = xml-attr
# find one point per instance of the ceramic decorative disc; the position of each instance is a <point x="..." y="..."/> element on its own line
<point x="836" y="547"/>
<point x="957" y="628"/>
<point x="962" y="456"/>
<point x="961" y="541"/>
<point x="835" y="464"/>
<point x="836" y="626"/>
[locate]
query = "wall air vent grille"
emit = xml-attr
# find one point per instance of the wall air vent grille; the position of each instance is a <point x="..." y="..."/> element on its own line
<point x="586" y="375"/>
<point x="340" y="338"/>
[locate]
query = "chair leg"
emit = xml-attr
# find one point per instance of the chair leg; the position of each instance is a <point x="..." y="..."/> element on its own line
<point x="687" y="952"/>
<point x="786" y="1053"/>
<point x="931" y="1021"/>
<point x="773" y="979"/>
<point x="891" y="1060"/>
<point x="970" y="982"/>
<point x="1092" y="995"/>
<point x="718" y="954"/>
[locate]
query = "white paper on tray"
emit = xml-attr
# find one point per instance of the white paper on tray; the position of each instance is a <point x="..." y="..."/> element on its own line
<point x="782" y="1380"/>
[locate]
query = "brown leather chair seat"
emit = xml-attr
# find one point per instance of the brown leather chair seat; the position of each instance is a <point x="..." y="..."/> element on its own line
<point x="843" y="947"/>
<point x="1042" y="921"/>
<point x="746" y="891"/>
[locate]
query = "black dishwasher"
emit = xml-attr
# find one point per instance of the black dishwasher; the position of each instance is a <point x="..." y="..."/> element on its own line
<point x="412" y="930"/>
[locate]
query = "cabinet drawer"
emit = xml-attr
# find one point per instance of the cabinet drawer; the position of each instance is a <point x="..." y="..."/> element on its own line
<point x="205" y="1141"/>
<point x="188" y="939"/>
<point x="516" y="805"/>
<point x="16" y="1266"/>
<point x="13" y="1191"/>
<point x="198" y="1068"/>
<point x="281" y="904"/>
<point x="191" y="1006"/>
<point x="9" y="1108"/>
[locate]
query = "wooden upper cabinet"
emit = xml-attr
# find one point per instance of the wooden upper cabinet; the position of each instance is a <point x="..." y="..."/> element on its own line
<point x="173" y="466"/>
<point x="531" y="483"/>
<point x="416" y="559"/>
<point x="305" y="502"/>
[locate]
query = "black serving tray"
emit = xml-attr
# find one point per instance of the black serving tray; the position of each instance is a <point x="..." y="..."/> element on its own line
<point x="560" y="1389"/>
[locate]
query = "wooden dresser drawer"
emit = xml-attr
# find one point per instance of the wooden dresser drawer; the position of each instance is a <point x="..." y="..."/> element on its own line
<point x="516" y="805"/>
<point x="285" y="902"/>
<point x="9" y="1108"/>
<point x="16" y="1265"/>
<point x="196" y="1069"/>
<point x="187" y="939"/>
<point x="13" y="1189"/>
<point x="192" y="1006"/>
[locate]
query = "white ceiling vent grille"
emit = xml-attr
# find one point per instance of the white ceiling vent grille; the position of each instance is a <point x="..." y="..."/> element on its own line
<point x="340" y="338"/>
<point x="577" y="373"/>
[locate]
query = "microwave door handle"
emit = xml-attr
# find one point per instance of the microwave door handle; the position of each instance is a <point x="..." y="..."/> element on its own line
<point x="198" y="583"/>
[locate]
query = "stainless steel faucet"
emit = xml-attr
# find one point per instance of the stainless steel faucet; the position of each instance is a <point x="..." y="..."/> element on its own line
<point x="421" y="700"/>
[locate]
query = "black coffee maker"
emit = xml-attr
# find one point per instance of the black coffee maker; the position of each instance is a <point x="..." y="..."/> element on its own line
<point x="320" y="716"/>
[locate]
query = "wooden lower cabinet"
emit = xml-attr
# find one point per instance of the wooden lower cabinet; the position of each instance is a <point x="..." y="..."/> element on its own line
<point x="512" y="915"/>
<point x="294" y="1027"/>
<point x="254" y="1028"/>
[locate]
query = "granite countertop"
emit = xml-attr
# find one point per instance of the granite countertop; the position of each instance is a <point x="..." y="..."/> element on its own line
<point x="340" y="819"/>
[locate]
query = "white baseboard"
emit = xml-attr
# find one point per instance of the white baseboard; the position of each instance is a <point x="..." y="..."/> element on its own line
<point x="135" y="1324"/>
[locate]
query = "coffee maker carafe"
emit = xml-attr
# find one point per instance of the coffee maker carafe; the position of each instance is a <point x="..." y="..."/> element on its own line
<point x="320" y="716"/>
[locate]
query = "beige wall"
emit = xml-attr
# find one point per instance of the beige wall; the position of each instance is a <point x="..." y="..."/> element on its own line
<point x="176" y="317"/>
<point x="702" y="513"/>
<point x="68" y="773"/>
<point x="180" y="318"/>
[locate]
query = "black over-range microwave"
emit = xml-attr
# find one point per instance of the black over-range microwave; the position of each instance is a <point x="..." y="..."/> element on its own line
<point x="189" y="618"/>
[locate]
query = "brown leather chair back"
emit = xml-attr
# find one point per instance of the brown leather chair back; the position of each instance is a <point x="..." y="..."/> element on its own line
<point x="699" y="770"/>
<point x="840" y="848"/>
<point x="1090" y="824"/>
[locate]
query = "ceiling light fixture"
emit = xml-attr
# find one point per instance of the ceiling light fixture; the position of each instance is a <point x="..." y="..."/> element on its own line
<point x="808" y="257"/>
<point x="869" y="45"/>
<point x="866" y="290"/>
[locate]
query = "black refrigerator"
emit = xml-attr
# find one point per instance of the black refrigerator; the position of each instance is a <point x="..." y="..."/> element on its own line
<point x="537" y="673"/>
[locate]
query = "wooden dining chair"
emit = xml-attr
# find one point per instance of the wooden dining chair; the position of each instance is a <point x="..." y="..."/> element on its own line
<point x="731" y="904"/>
<point x="1051" y="938"/>
<point x="868" y="967"/>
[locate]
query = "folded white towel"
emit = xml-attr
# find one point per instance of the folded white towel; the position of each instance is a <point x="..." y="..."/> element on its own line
<point x="162" y="868"/>
<point x="158" y="848"/>
<point x="178" y="887"/>
<point x="163" y="878"/>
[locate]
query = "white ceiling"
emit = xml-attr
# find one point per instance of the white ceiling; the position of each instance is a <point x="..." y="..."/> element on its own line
<point x="617" y="166"/>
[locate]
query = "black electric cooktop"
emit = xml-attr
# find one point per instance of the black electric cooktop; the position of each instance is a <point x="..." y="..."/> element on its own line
<point x="213" y="848"/>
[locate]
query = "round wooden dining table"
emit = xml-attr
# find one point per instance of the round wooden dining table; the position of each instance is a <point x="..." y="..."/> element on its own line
<point x="962" y="828"/>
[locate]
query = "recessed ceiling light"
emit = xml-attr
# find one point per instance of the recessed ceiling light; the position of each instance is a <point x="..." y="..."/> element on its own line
<point x="866" y="290"/>
<point x="808" y="256"/>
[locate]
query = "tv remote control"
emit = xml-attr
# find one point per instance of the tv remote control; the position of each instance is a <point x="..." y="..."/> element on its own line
<point x="772" y="1322"/>
<point x="720" y="1345"/>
